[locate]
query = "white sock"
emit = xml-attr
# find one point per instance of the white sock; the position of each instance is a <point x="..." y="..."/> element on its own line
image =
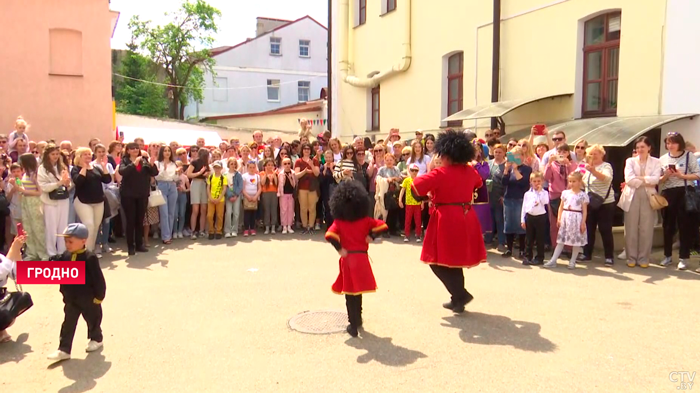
<point x="574" y="254"/>
<point x="557" y="253"/>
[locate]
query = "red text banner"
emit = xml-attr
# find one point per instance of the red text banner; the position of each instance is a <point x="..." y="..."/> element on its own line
<point x="43" y="272"/>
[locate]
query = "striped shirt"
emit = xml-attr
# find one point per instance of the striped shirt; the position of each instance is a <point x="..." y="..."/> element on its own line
<point x="342" y="166"/>
<point x="600" y="187"/>
<point x="679" y="162"/>
<point x="28" y="183"/>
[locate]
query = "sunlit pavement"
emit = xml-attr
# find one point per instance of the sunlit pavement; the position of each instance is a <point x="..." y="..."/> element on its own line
<point x="211" y="316"/>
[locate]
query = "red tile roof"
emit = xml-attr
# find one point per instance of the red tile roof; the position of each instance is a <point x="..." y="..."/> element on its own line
<point x="309" y="106"/>
<point x="223" y="49"/>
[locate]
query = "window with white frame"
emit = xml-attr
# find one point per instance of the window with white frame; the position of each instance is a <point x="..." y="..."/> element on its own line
<point x="275" y="46"/>
<point x="221" y="90"/>
<point x="273" y="89"/>
<point x="304" y="88"/>
<point x="304" y="48"/>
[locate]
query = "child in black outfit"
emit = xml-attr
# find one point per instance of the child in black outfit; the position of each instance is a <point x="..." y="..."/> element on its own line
<point x="85" y="300"/>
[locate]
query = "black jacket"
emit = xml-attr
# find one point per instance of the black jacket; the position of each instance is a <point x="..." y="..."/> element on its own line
<point x="88" y="188"/>
<point x="95" y="286"/>
<point x="135" y="183"/>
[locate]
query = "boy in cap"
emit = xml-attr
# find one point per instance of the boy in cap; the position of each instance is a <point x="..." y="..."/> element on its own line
<point x="86" y="299"/>
<point x="413" y="206"/>
<point x="216" y="187"/>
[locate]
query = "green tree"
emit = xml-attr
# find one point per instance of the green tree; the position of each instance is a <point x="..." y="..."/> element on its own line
<point x="133" y="92"/>
<point x="181" y="48"/>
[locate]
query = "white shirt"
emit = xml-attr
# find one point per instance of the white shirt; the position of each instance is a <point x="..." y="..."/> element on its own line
<point x="545" y="157"/>
<point x="250" y="183"/>
<point x="7" y="268"/>
<point x="167" y="173"/>
<point x="422" y="166"/>
<point x="534" y="203"/>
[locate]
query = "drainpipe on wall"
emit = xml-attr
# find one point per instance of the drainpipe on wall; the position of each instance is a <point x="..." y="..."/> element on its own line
<point x="329" y="80"/>
<point x="496" y="58"/>
<point x="345" y="37"/>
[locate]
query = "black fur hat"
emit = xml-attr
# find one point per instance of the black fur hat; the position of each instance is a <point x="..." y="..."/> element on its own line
<point x="456" y="146"/>
<point x="349" y="201"/>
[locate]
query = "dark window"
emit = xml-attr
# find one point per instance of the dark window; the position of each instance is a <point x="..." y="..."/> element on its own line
<point x="601" y="63"/>
<point x="375" y="109"/>
<point x="455" y="80"/>
<point x="363" y="12"/>
<point x="390" y="5"/>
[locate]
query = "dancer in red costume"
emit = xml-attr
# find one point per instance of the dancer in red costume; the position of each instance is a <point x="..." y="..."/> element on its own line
<point x="350" y="234"/>
<point x="453" y="240"/>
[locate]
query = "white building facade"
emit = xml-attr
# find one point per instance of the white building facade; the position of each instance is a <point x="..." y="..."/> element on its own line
<point x="285" y="64"/>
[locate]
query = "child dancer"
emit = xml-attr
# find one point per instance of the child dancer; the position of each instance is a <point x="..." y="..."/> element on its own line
<point x="571" y="221"/>
<point x="534" y="219"/>
<point x="287" y="182"/>
<point x="251" y="194"/>
<point x="216" y="190"/>
<point x="350" y="234"/>
<point x="413" y="207"/>
<point x="85" y="300"/>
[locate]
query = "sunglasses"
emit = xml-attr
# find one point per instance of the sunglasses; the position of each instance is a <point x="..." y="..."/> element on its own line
<point x="414" y="170"/>
<point x="360" y="154"/>
<point x="35" y="152"/>
<point x="512" y="145"/>
<point x="379" y="151"/>
<point x="557" y="139"/>
<point x="406" y="154"/>
<point x="672" y="134"/>
<point x="286" y="164"/>
<point x="580" y="147"/>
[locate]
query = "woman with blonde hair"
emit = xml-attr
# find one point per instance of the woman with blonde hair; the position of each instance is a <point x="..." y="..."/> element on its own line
<point x="89" y="193"/>
<point x="304" y="129"/>
<point x="336" y="147"/>
<point x="597" y="178"/>
<point x="528" y="154"/>
<point x="580" y="150"/>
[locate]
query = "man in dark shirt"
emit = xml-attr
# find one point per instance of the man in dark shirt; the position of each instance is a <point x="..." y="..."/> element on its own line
<point x="86" y="299"/>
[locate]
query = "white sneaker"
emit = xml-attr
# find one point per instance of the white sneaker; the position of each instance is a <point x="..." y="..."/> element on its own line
<point x="623" y="255"/>
<point x="203" y="234"/>
<point x="317" y="227"/>
<point x="572" y="265"/>
<point x="667" y="261"/>
<point x="418" y="240"/>
<point x="234" y="234"/>
<point x="405" y="240"/>
<point x="93" y="346"/>
<point x="194" y="236"/>
<point x="155" y="235"/>
<point x="284" y="230"/>
<point x="98" y="255"/>
<point x="289" y="229"/>
<point x="550" y="264"/>
<point x="227" y="235"/>
<point x="267" y="230"/>
<point x="681" y="265"/>
<point x="272" y="230"/>
<point x="58" y="355"/>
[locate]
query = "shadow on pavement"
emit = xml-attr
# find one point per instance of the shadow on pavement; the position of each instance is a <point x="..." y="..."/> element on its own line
<point x="145" y="260"/>
<point x="486" y="329"/>
<point x="15" y="350"/>
<point x="382" y="350"/>
<point x="84" y="372"/>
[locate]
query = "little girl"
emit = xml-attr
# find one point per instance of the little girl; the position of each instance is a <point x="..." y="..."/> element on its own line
<point x="270" y="189"/>
<point x="287" y="182"/>
<point x="19" y="133"/>
<point x="571" y="220"/>
<point x="251" y="194"/>
<point x="183" y="187"/>
<point x="32" y="218"/>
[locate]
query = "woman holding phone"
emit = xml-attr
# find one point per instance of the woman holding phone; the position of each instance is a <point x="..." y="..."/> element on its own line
<point x="516" y="181"/>
<point x="679" y="168"/>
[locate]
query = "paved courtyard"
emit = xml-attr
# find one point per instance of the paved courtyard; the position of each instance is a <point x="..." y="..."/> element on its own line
<point x="213" y="317"/>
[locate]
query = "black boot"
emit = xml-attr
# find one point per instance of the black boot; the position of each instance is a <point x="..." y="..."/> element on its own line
<point x="351" y="306"/>
<point x="458" y="307"/>
<point x="358" y="305"/>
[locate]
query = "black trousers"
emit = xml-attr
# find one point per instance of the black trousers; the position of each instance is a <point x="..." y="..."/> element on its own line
<point x="354" y="305"/>
<point x="73" y="309"/>
<point x="249" y="219"/>
<point x="536" y="228"/>
<point x="510" y="239"/>
<point x="392" y="221"/>
<point x="135" y="211"/>
<point x="453" y="280"/>
<point x="425" y="217"/>
<point x="675" y="217"/>
<point x="602" y="219"/>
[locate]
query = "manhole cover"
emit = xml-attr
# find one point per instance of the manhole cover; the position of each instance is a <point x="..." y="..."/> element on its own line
<point x="319" y="322"/>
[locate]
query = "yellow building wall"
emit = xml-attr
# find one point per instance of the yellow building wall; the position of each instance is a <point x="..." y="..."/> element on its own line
<point x="539" y="56"/>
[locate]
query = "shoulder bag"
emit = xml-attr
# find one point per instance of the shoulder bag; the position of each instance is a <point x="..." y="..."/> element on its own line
<point x="595" y="200"/>
<point x="692" y="199"/>
<point x="59" y="193"/>
<point x="13" y="304"/>
<point x="251" y="205"/>
<point x="657" y="201"/>
<point x="156" y="198"/>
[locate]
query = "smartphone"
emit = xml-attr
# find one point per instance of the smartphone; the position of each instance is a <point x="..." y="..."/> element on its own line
<point x="121" y="134"/>
<point x="672" y="167"/>
<point x="561" y="158"/>
<point x="20" y="229"/>
<point x="539" y="129"/>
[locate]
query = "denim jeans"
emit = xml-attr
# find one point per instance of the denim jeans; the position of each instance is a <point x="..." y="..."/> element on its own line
<point x="71" y="209"/>
<point x="231" y="216"/>
<point x="497" y="216"/>
<point x="180" y="212"/>
<point x="103" y="234"/>
<point x="167" y="211"/>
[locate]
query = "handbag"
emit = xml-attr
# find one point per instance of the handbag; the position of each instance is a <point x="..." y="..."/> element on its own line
<point x="4" y="204"/>
<point x="250" y="205"/>
<point x="657" y="202"/>
<point x="595" y="201"/>
<point x="156" y="198"/>
<point x="13" y="304"/>
<point x="59" y="194"/>
<point x="692" y="199"/>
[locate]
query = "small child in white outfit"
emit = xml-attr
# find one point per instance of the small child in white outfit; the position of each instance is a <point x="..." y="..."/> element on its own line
<point x="571" y="221"/>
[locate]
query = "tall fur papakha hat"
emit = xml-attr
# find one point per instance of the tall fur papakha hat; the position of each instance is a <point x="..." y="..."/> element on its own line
<point x="349" y="202"/>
